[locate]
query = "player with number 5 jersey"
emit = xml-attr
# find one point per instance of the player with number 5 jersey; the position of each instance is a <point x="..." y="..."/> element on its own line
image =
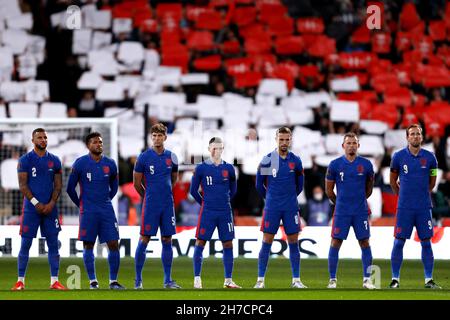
<point x="218" y="183"/>
<point x="353" y="177"/>
<point x="155" y="173"/>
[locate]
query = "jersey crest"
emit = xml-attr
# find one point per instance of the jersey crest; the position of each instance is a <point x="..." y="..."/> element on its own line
<point x="225" y="173"/>
<point x="423" y="162"/>
<point x="105" y="169"/>
<point x="50" y="164"/>
<point x="168" y="162"/>
<point x="291" y="165"/>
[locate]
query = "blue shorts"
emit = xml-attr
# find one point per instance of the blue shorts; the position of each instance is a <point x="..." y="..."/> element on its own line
<point x="31" y="221"/>
<point x="341" y="226"/>
<point x="408" y="218"/>
<point x="209" y="220"/>
<point x="271" y="221"/>
<point x="98" y="224"/>
<point x="155" y="218"/>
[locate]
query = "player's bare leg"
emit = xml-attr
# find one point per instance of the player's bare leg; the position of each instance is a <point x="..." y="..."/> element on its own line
<point x="197" y="262"/>
<point x="139" y="259"/>
<point x="114" y="263"/>
<point x="294" y="257"/>
<point x="228" y="265"/>
<point x="89" y="264"/>
<point x="367" y="262"/>
<point x="333" y="259"/>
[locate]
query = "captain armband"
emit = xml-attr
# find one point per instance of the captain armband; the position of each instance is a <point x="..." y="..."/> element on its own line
<point x="433" y="172"/>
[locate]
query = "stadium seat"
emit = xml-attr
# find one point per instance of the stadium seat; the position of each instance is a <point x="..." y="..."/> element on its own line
<point x="381" y="43"/>
<point x="200" y="41"/>
<point x="8" y="174"/>
<point x="3" y="111"/>
<point x="275" y="87"/>
<point x="209" y="20"/>
<point x="53" y="110"/>
<point x="373" y="126"/>
<point x="344" y="111"/>
<point x="394" y="139"/>
<point x="371" y="145"/>
<point x="310" y="25"/>
<point x="23" y="110"/>
<point x="243" y="16"/>
<point x="289" y="45"/>
<point x="375" y="204"/>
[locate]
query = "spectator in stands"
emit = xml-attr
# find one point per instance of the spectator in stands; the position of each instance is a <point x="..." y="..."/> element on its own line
<point x="318" y="209"/>
<point x="187" y="212"/>
<point x="88" y="106"/>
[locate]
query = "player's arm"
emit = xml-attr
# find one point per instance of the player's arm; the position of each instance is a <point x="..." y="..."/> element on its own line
<point x="260" y="187"/>
<point x="300" y="178"/>
<point x="393" y="181"/>
<point x="329" y="185"/>
<point x="370" y="181"/>
<point x="23" y="186"/>
<point x="394" y="174"/>
<point x="433" y="173"/>
<point x="195" y="184"/>
<point x="369" y="186"/>
<point x="330" y="181"/>
<point x="137" y="182"/>
<point x="233" y="182"/>
<point x="57" y="187"/>
<point x="138" y="174"/>
<point x="113" y="181"/>
<point x="71" y="185"/>
<point x="174" y="175"/>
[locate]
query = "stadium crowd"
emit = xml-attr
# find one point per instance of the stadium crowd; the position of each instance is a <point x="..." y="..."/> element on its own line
<point x="241" y="65"/>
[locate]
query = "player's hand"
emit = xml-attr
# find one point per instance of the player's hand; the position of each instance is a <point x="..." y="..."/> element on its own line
<point x="48" y="208"/>
<point x="40" y="208"/>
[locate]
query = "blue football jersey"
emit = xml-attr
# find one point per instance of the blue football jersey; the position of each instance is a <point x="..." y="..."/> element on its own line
<point x="157" y="172"/>
<point x="414" y="174"/>
<point x="218" y="185"/>
<point x="41" y="173"/>
<point x="280" y="181"/>
<point x="350" y="179"/>
<point x="98" y="183"/>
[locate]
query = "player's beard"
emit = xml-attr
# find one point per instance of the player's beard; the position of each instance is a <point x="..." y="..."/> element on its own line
<point x="415" y="144"/>
<point x="97" y="153"/>
<point x="39" y="147"/>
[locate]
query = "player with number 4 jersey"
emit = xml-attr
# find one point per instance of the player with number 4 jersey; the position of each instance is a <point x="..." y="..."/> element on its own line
<point x="97" y="177"/>
<point x="218" y="183"/>
<point x="353" y="177"/>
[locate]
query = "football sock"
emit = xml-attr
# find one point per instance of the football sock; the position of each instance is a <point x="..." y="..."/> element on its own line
<point x="53" y="255"/>
<point x="167" y="258"/>
<point x="263" y="258"/>
<point x="22" y="261"/>
<point x="89" y="263"/>
<point x="397" y="257"/>
<point x="294" y="257"/>
<point x="198" y="260"/>
<point x="139" y="260"/>
<point x="427" y="258"/>
<point x="114" y="263"/>
<point x="333" y="259"/>
<point x="228" y="261"/>
<point x="366" y="258"/>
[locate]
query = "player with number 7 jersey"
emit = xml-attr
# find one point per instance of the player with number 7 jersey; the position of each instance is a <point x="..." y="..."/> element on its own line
<point x="218" y="183"/>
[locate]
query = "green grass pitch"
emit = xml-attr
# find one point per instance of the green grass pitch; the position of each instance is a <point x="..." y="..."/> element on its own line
<point x="314" y="274"/>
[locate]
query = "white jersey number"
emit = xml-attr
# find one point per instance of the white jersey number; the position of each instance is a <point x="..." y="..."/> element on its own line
<point x="152" y="169"/>
<point x="208" y="180"/>
<point x="33" y="172"/>
<point x="89" y="176"/>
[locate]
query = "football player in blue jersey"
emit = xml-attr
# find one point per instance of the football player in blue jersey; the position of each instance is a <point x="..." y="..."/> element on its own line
<point x="40" y="181"/>
<point x="97" y="177"/>
<point x="218" y="183"/>
<point x="353" y="177"/>
<point x="279" y="180"/>
<point x="155" y="173"/>
<point x="413" y="176"/>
